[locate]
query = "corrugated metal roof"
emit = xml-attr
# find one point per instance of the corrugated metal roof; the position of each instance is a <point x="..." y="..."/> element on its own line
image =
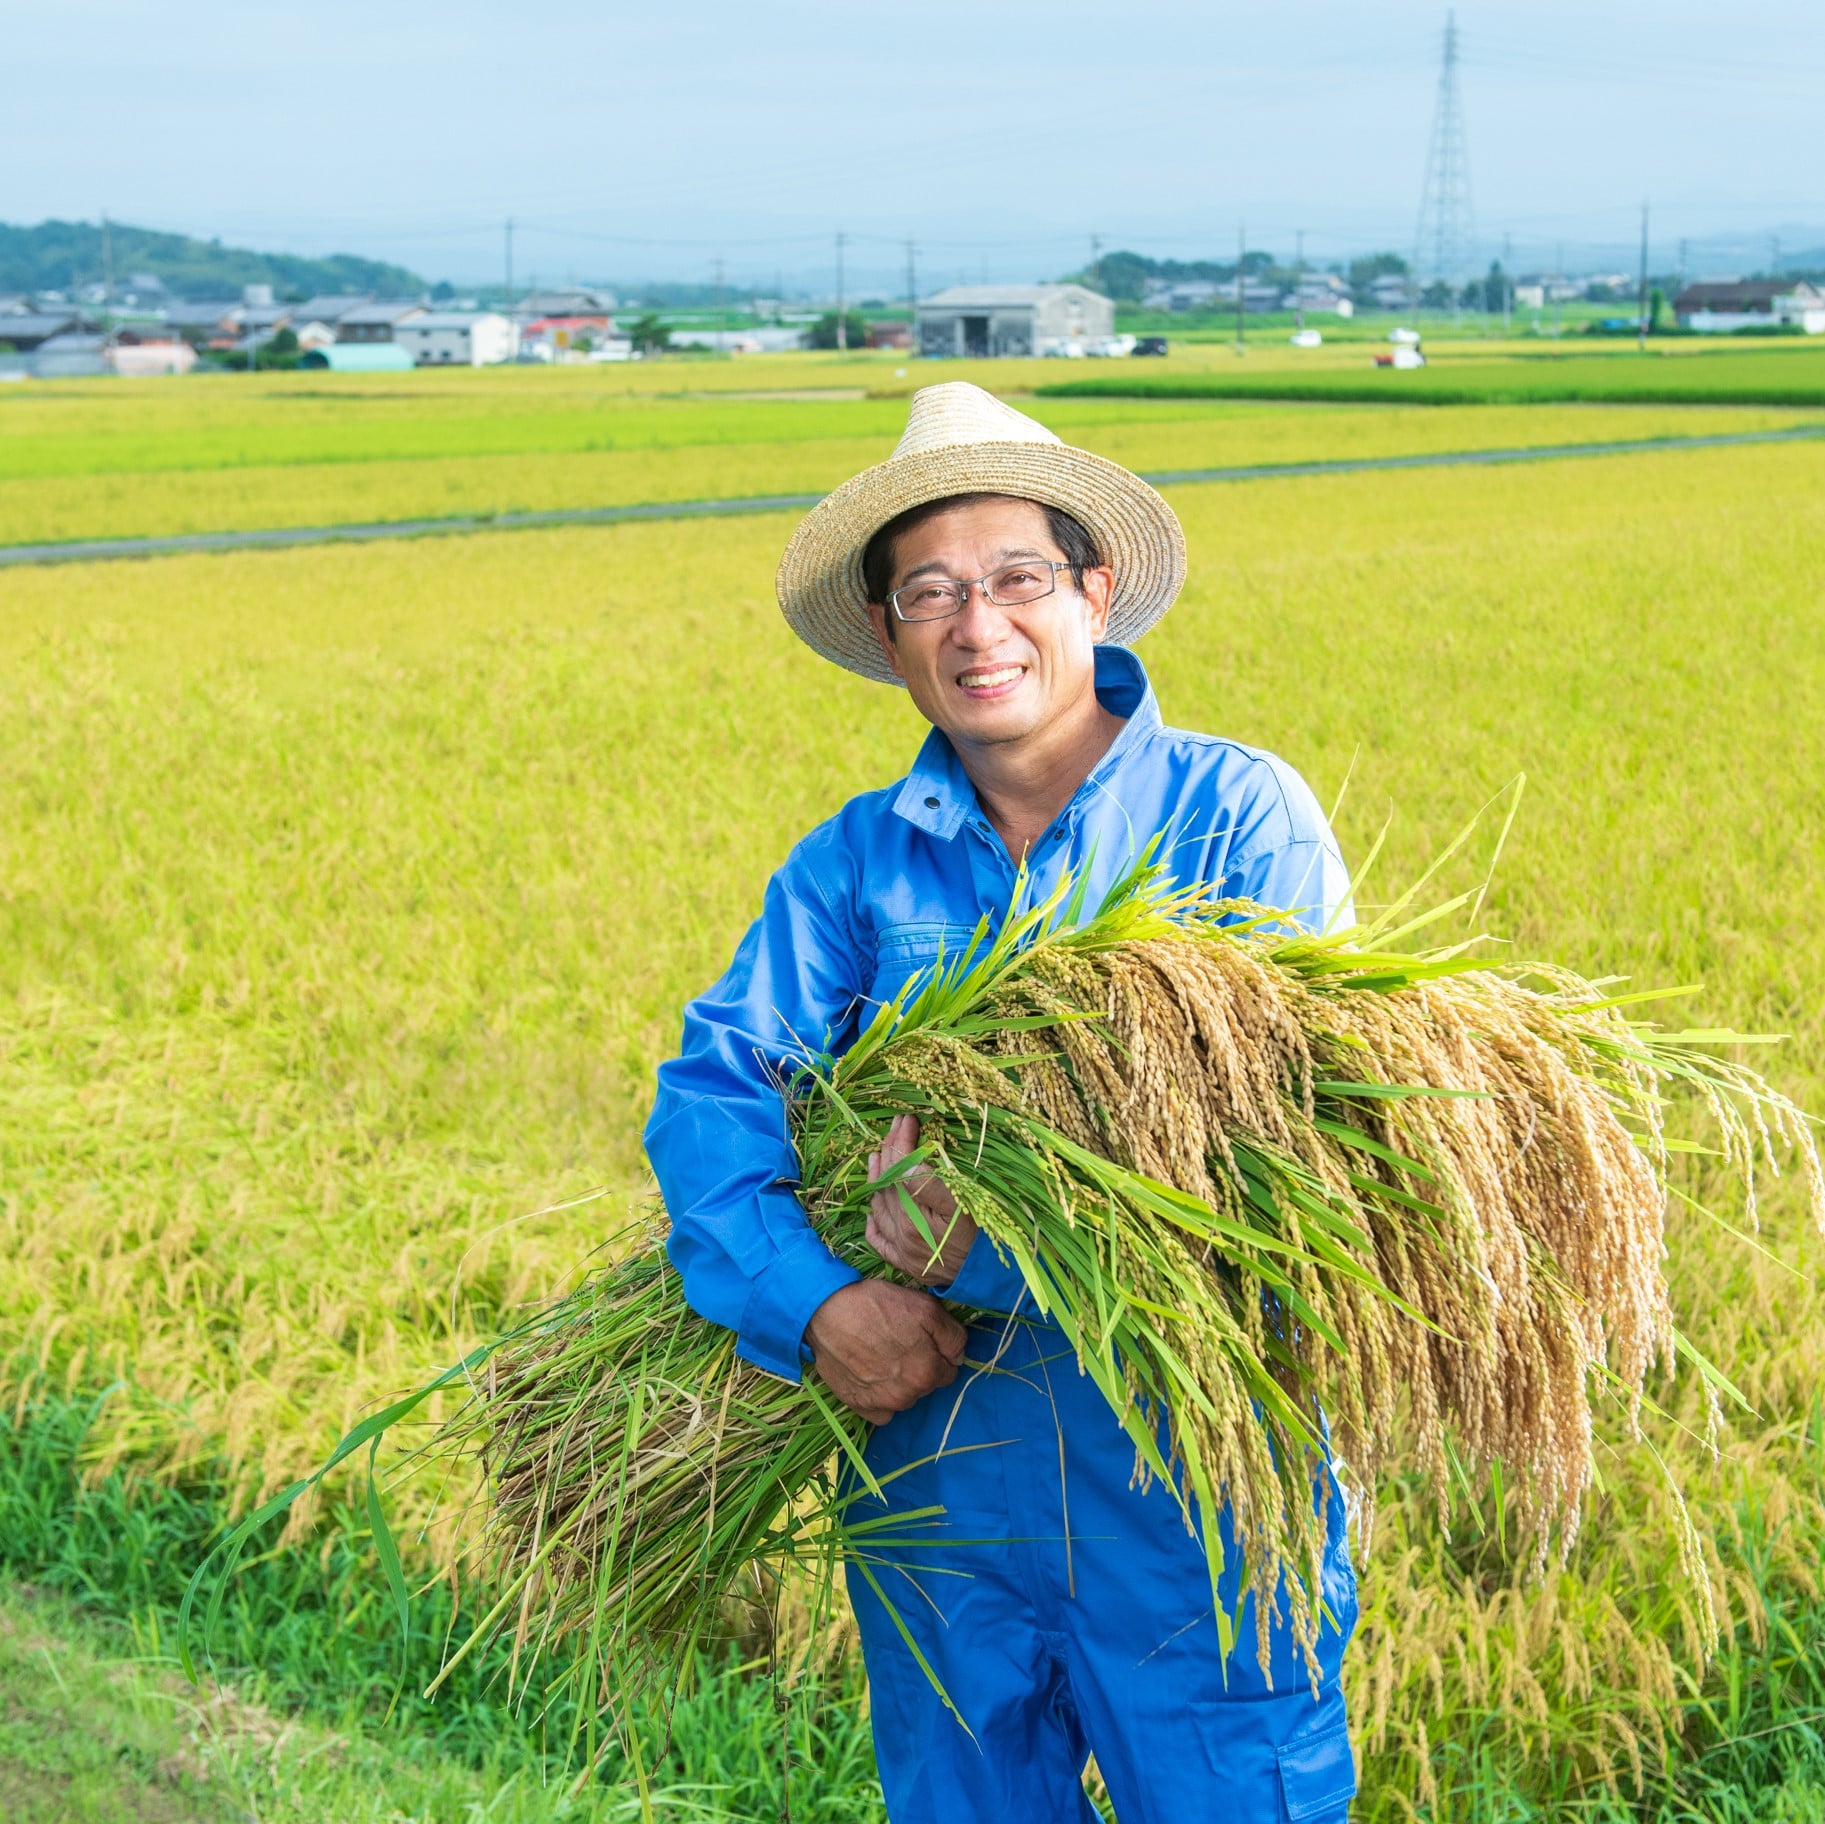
<point x="996" y="296"/>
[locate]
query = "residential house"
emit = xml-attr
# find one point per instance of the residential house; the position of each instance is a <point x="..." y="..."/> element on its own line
<point x="329" y="307"/>
<point x="28" y="331"/>
<point x="376" y="322"/>
<point x="458" y="338"/>
<point x="145" y="350"/>
<point x="213" y="322"/>
<point x="74" y="354"/>
<point x="565" y="301"/>
<point x="1322" y="291"/>
<point x="1717" y="307"/>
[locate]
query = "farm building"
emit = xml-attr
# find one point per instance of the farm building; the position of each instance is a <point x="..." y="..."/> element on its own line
<point x="1011" y="319"/>
<point x="358" y="357"/>
<point x="1717" y="308"/>
<point x="458" y="338"/>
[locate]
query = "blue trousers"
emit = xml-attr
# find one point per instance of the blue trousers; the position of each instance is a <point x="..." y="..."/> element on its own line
<point x="1065" y="1612"/>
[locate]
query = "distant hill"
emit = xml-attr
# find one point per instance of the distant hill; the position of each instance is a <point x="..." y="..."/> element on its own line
<point x="64" y="256"/>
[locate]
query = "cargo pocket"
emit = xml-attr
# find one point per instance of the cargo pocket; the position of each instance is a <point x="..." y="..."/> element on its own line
<point x="1317" y="1777"/>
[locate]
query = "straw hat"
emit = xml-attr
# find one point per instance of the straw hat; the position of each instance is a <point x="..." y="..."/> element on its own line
<point x="961" y="440"/>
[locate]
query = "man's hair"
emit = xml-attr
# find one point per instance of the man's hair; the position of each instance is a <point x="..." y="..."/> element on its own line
<point x="1067" y="534"/>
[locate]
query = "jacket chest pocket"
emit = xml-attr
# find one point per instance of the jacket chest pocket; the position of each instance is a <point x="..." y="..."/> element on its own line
<point x="903" y="951"/>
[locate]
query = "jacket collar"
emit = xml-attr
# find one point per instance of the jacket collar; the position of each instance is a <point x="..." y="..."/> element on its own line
<point x="937" y="796"/>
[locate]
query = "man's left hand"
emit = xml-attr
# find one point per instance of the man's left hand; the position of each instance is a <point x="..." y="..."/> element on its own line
<point x="891" y="1231"/>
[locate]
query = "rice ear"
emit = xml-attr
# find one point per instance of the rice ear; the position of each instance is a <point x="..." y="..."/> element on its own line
<point x="1422" y="1197"/>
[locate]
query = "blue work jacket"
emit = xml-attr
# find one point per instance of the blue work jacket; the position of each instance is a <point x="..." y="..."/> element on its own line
<point x="872" y="895"/>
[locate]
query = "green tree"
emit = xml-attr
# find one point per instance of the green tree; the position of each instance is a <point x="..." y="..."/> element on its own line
<point x="279" y="351"/>
<point x="649" y="336"/>
<point x="1369" y="267"/>
<point x="823" y="331"/>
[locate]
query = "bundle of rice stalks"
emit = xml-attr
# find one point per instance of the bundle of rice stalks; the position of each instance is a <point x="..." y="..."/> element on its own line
<point x="1261" y="1180"/>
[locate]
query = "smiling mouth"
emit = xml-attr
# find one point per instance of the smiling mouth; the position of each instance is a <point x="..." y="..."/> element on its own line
<point x="992" y="680"/>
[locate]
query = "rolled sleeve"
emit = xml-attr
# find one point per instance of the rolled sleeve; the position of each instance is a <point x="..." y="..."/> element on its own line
<point x="718" y="1140"/>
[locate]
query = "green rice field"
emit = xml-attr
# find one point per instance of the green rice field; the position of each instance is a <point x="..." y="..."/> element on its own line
<point x="349" y="896"/>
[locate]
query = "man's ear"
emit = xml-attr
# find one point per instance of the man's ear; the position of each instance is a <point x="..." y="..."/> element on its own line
<point x="1099" y="588"/>
<point x="877" y="619"/>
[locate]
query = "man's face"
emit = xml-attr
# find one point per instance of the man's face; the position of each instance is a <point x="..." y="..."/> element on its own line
<point x="993" y="674"/>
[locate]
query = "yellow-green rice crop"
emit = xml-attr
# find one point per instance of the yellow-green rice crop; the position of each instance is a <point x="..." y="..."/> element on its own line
<point x="348" y="898"/>
<point x="226" y="452"/>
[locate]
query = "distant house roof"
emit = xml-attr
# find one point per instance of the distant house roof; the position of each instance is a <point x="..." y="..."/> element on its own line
<point x="567" y="301"/>
<point x="1747" y="295"/>
<point x="262" y="316"/>
<point x="28" y="329"/>
<point x="207" y="315"/>
<point x="331" y="307"/>
<point x="378" y="315"/>
<point x="358" y="357"/>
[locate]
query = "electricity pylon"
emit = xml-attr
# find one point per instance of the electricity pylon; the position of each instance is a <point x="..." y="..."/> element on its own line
<point x="1443" y="242"/>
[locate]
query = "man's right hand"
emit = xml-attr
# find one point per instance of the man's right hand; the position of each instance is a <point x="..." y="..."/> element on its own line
<point x="881" y="1348"/>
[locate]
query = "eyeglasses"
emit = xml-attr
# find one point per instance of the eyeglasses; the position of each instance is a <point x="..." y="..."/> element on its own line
<point x="937" y="597"/>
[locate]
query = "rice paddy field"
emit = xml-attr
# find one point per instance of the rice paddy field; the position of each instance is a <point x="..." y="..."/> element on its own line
<point x="349" y="895"/>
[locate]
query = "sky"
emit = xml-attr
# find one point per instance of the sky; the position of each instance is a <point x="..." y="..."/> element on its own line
<point x="655" y="141"/>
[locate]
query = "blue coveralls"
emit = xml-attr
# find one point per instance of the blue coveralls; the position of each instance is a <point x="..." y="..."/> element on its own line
<point x="1062" y="1610"/>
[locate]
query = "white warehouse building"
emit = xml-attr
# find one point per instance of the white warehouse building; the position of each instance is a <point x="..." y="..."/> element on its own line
<point x="458" y="338"/>
<point x="1012" y="319"/>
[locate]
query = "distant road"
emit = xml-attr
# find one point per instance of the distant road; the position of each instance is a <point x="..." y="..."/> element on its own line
<point x="94" y="550"/>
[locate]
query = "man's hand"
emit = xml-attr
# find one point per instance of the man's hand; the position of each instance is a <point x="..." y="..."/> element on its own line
<point x="894" y="1235"/>
<point x="882" y="1348"/>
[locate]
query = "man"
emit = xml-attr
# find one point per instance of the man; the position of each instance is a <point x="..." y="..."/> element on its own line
<point x="998" y="575"/>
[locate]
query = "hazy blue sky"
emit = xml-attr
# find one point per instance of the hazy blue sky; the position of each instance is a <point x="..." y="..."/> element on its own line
<point x="649" y="140"/>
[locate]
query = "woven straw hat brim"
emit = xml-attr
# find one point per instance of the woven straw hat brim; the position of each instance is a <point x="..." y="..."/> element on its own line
<point x="820" y="585"/>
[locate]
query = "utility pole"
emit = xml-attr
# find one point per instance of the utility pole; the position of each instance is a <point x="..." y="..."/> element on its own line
<point x="1241" y="255"/>
<point x="107" y="285"/>
<point x="718" y="266"/>
<point x="912" y="296"/>
<point x="1299" y="279"/>
<point x="842" y="327"/>
<point x="510" y="265"/>
<point x="1680" y="277"/>
<point x="1507" y="286"/>
<point x="1559" y="296"/>
<point x="1641" y="321"/>
<point x="1096" y="261"/>
<point x="1774" y="256"/>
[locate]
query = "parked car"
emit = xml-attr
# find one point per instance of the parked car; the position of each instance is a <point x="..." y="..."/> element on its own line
<point x="1150" y="345"/>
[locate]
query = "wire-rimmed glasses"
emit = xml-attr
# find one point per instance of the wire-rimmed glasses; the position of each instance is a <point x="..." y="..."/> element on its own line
<point x="935" y="598"/>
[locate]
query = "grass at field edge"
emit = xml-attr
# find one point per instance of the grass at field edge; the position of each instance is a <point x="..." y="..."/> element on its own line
<point x="93" y="1574"/>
